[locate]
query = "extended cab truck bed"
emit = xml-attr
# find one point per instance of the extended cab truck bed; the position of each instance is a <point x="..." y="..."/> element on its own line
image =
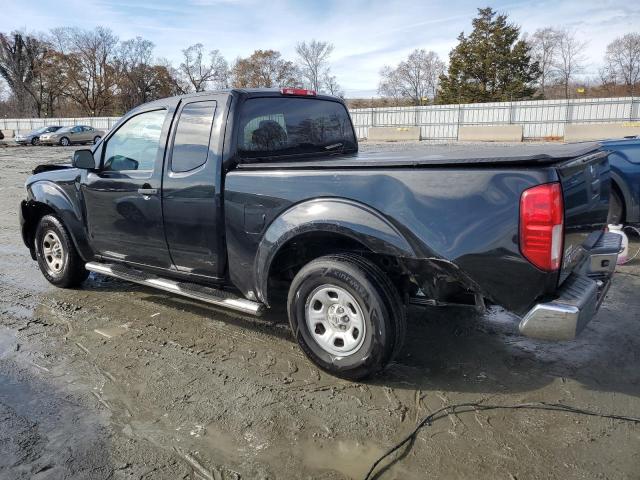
<point x="246" y="198"/>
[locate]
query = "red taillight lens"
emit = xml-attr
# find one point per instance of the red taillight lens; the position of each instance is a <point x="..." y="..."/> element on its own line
<point x="298" y="91"/>
<point x="541" y="225"/>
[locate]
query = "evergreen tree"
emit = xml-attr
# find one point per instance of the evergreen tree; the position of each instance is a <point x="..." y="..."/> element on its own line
<point x="489" y="65"/>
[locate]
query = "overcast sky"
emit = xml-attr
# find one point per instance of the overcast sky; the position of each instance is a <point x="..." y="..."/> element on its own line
<point x="366" y="34"/>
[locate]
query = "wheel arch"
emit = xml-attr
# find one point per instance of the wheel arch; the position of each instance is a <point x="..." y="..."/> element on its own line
<point x="337" y="225"/>
<point x="620" y="186"/>
<point x="48" y="198"/>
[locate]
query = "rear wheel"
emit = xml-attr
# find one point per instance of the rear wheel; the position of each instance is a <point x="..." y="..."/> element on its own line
<point x="346" y="315"/>
<point x="57" y="256"/>
<point x="616" y="208"/>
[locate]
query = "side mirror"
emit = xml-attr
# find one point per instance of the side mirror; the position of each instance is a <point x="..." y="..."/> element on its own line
<point x="84" y="159"/>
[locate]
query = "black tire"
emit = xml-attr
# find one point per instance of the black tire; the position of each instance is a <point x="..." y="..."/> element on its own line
<point x="34" y="141"/>
<point x="96" y="139"/>
<point x="378" y="301"/>
<point x="616" y="208"/>
<point x="65" y="142"/>
<point x="71" y="271"/>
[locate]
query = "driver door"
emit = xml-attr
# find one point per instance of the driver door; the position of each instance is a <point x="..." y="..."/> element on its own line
<point x="75" y="134"/>
<point x="122" y="198"/>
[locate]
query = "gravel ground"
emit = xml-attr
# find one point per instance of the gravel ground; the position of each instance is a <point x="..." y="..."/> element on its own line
<point x="119" y="381"/>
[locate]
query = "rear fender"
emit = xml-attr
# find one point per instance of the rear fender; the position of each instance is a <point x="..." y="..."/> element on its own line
<point x="632" y="206"/>
<point x="328" y="215"/>
<point x="47" y="197"/>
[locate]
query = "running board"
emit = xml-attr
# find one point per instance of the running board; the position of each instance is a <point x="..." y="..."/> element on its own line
<point x="190" y="290"/>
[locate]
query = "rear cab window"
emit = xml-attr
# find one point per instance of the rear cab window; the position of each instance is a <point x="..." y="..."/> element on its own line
<point x="273" y="128"/>
<point x="191" y="141"/>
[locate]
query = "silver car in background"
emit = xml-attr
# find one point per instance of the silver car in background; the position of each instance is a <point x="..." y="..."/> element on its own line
<point x="72" y="135"/>
<point x="33" y="137"/>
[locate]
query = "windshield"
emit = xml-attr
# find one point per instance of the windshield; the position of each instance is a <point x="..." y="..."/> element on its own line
<point x="271" y="127"/>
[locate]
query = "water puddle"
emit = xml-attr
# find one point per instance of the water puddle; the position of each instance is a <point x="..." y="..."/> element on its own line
<point x="110" y="332"/>
<point x="351" y="458"/>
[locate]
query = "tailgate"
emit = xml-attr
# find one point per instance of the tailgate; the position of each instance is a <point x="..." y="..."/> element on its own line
<point x="585" y="186"/>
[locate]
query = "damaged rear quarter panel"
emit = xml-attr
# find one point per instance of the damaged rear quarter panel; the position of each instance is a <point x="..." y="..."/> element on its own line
<point x="468" y="216"/>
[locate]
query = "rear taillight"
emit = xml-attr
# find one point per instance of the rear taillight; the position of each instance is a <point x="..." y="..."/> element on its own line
<point x="541" y="225"/>
<point x="298" y="91"/>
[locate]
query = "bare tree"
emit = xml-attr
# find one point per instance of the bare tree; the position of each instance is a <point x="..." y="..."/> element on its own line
<point x="135" y="58"/>
<point x="48" y="86"/>
<point x="173" y="80"/>
<point x="18" y="53"/>
<point x="88" y="61"/>
<point x="607" y="79"/>
<point x="544" y="50"/>
<point x="623" y="58"/>
<point x="415" y="78"/>
<point x="265" y="68"/>
<point x="313" y="60"/>
<point x="201" y="74"/>
<point x="330" y="85"/>
<point x="390" y="85"/>
<point x="570" y="59"/>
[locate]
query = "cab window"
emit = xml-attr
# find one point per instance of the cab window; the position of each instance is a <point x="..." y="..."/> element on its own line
<point x="191" y="141"/>
<point x="134" y="146"/>
<point x="275" y="127"/>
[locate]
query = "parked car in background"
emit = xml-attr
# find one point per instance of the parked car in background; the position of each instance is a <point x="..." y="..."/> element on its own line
<point x="71" y="135"/>
<point x="624" y="159"/>
<point x="33" y="137"/>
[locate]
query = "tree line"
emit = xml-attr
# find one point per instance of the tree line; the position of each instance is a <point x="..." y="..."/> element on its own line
<point x="495" y="62"/>
<point x="71" y="71"/>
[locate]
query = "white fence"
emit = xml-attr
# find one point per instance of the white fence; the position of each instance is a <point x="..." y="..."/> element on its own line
<point x="539" y="118"/>
<point x="24" y="125"/>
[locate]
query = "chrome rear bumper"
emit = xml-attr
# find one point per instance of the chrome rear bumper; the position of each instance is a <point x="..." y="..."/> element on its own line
<point x="579" y="297"/>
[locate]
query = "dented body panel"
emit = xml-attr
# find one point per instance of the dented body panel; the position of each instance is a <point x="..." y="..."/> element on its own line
<point x="468" y="217"/>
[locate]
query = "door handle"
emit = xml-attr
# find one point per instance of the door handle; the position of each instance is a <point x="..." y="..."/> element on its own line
<point x="148" y="191"/>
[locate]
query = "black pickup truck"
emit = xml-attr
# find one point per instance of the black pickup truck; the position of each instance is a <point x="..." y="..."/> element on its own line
<point x="250" y="198"/>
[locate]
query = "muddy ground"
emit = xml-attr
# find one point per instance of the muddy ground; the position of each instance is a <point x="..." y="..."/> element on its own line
<point x="117" y="381"/>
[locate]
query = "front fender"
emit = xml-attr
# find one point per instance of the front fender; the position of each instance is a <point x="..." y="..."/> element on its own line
<point x="67" y="207"/>
<point x="328" y="215"/>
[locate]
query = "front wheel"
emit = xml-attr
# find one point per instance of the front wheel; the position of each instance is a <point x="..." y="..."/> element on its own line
<point x="57" y="256"/>
<point x="96" y="139"/>
<point x="346" y="315"/>
<point x="35" y="141"/>
<point x="64" y="141"/>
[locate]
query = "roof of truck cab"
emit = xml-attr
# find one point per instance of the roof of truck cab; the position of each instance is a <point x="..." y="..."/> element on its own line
<point x="249" y="92"/>
<point x="416" y="155"/>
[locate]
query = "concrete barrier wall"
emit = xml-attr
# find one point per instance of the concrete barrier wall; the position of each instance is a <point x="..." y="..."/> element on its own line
<point x="577" y="132"/>
<point x="393" y="134"/>
<point x="493" y="133"/>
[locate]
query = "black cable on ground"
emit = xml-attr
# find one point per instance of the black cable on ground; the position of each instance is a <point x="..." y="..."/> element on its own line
<point x="479" y="407"/>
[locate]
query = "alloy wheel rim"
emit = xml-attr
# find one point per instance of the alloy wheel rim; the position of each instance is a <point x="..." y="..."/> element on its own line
<point x="53" y="252"/>
<point x="335" y="320"/>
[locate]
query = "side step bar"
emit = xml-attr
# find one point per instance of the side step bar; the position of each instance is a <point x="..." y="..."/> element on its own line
<point x="190" y="290"/>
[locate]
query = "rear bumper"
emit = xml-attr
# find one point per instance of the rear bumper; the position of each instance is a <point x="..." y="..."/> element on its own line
<point x="579" y="297"/>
